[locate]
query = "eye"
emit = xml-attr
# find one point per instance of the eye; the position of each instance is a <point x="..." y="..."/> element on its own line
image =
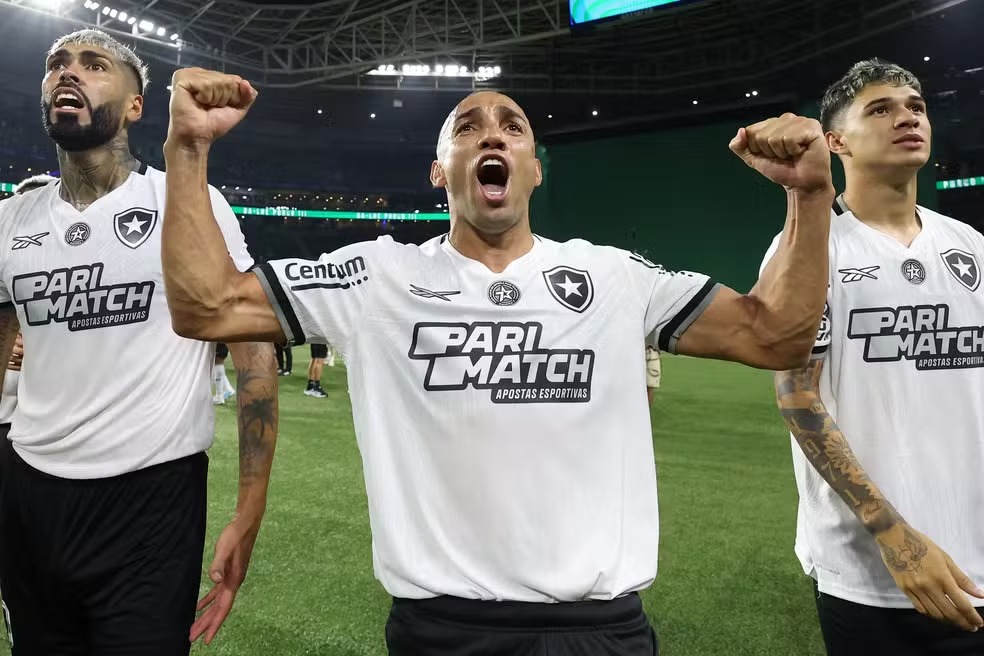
<point x="55" y="65"/>
<point x="918" y="109"/>
<point x="881" y="111"/>
<point x="96" y="67"/>
<point x="464" y="127"/>
<point x="515" y="127"/>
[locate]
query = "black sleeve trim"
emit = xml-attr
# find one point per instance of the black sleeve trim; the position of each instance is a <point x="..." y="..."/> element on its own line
<point x="280" y="302"/>
<point x="683" y="315"/>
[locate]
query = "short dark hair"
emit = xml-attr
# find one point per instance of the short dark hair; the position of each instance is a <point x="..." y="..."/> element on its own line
<point x="842" y="93"/>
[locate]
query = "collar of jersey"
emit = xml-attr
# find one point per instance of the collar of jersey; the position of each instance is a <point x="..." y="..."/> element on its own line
<point x="454" y="254"/>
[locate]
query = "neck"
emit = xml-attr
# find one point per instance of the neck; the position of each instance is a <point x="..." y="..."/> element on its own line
<point x="882" y="202"/>
<point x="494" y="251"/>
<point x="89" y="175"/>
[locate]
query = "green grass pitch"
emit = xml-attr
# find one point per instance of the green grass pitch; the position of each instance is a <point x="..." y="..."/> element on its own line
<point x="728" y="581"/>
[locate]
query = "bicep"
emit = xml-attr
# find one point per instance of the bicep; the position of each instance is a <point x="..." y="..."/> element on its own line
<point x="726" y="330"/>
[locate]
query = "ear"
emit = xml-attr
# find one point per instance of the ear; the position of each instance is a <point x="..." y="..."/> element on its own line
<point x="539" y="173"/>
<point x="437" y="177"/>
<point x="134" y="110"/>
<point x="836" y="143"/>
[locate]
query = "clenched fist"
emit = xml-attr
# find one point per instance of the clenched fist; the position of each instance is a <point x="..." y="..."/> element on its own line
<point x="205" y="105"/>
<point x="789" y="150"/>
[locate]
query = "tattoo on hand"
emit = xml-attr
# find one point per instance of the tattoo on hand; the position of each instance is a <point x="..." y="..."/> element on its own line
<point x="909" y="557"/>
<point x="825" y="446"/>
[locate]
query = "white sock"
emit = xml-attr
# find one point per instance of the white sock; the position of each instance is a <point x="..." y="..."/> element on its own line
<point x="226" y="385"/>
<point x="218" y="373"/>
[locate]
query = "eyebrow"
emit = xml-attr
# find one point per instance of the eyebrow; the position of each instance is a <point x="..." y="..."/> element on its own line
<point x="503" y="111"/>
<point x="876" y="101"/>
<point x="84" y="54"/>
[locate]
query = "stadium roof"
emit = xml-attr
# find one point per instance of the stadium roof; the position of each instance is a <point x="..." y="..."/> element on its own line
<point x="336" y="43"/>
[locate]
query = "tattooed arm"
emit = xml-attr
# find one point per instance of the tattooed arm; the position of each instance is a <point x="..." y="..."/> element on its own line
<point x="921" y="569"/>
<point x="256" y="399"/>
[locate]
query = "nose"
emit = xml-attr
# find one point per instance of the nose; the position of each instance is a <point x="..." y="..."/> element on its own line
<point x="492" y="141"/>
<point x="907" y="119"/>
<point x="69" y="76"/>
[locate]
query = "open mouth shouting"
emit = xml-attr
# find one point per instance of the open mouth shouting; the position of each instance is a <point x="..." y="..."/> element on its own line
<point x="68" y="101"/>
<point x="493" y="178"/>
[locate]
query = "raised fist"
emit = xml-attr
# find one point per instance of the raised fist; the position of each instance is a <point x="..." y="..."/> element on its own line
<point x="205" y="105"/>
<point x="789" y="150"/>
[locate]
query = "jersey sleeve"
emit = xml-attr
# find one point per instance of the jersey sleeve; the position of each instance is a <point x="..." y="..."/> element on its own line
<point x="322" y="301"/>
<point x="673" y="300"/>
<point x="822" y="343"/>
<point x="229" y="225"/>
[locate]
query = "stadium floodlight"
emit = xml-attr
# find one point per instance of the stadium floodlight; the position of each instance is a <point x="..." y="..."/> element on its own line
<point x="146" y="26"/>
<point x="439" y="69"/>
<point x="174" y="37"/>
<point x="122" y="16"/>
<point x="106" y="11"/>
<point x="131" y="20"/>
<point x="695" y="102"/>
<point x="161" y="31"/>
<point x="497" y="71"/>
<point x="113" y="13"/>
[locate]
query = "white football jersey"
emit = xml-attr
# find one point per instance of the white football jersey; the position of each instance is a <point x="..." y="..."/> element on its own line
<point x="106" y="387"/>
<point x="903" y="376"/>
<point x="502" y="417"/>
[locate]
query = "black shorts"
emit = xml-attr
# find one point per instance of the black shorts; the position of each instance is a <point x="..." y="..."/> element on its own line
<point x="221" y="350"/>
<point x="319" y="351"/>
<point x="446" y="626"/>
<point x="851" y="629"/>
<point x="107" y="567"/>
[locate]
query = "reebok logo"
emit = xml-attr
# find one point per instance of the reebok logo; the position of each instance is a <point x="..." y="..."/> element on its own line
<point x="854" y="275"/>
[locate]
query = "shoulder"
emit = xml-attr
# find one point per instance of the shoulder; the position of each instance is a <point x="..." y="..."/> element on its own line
<point x="953" y="226"/>
<point x="586" y="253"/>
<point x="21" y="207"/>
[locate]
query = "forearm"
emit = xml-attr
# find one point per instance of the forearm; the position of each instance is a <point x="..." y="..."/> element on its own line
<point x="198" y="272"/>
<point x="828" y="451"/>
<point x="256" y="399"/>
<point x="791" y="291"/>
<point x="9" y="328"/>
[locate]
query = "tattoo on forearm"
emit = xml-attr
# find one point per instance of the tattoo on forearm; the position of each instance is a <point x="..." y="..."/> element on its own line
<point x="256" y="391"/>
<point x="827" y="449"/>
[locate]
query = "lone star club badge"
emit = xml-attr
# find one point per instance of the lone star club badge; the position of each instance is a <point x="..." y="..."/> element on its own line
<point x="572" y="288"/>
<point x="134" y="226"/>
<point x="963" y="266"/>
